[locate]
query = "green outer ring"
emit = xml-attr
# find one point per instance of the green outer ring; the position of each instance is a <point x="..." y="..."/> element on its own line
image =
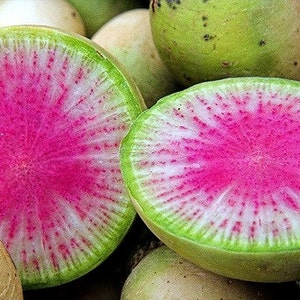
<point x="67" y="275"/>
<point x="260" y="266"/>
<point x="134" y="103"/>
<point x="257" y="267"/>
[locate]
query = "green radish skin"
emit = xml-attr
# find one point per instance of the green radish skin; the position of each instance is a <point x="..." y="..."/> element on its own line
<point x="213" y="171"/>
<point x="65" y="106"/>
<point x="214" y="39"/>
<point x="95" y="13"/>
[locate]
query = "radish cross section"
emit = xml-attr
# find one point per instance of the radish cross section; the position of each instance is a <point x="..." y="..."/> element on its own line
<point x="214" y="171"/>
<point x="64" y="109"/>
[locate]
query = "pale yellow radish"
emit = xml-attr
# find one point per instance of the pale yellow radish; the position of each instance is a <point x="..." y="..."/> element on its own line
<point x="54" y="13"/>
<point x="128" y="37"/>
<point x="10" y="283"/>
<point x="164" y="275"/>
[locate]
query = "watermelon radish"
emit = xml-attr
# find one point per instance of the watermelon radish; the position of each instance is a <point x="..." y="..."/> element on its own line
<point x="214" y="171"/>
<point x="10" y="283"/>
<point x="65" y="106"/>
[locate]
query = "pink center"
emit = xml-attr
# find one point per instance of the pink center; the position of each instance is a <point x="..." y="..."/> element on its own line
<point x="46" y="151"/>
<point x="256" y="153"/>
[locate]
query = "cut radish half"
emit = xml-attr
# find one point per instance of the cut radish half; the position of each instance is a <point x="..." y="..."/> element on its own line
<point x="65" y="106"/>
<point x="214" y="171"/>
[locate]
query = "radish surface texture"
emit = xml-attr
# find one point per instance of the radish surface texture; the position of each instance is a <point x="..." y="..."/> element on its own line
<point x="55" y="13"/>
<point x="208" y="40"/>
<point x="214" y="171"/>
<point x="163" y="274"/>
<point x="10" y="283"/>
<point x="65" y="106"/>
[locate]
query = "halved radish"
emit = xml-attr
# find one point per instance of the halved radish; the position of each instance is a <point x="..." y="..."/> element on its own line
<point x="214" y="171"/>
<point x="65" y="106"/>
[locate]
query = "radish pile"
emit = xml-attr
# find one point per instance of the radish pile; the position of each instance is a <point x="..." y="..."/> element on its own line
<point x="115" y="134"/>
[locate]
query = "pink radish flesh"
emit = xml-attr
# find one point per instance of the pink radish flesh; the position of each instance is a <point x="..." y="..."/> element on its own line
<point x="62" y="117"/>
<point x="221" y="168"/>
<point x="255" y="156"/>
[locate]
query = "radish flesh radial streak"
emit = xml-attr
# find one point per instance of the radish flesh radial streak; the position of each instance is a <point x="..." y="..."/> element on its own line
<point x="218" y="166"/>
<point x="64" y="108"/>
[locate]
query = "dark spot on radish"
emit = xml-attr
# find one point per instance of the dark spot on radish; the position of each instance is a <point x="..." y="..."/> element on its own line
<point x="204" y="19"/>
<point x="173" y="3"/>
<point x="208" y="37"/>
<point x="227" y="64"/>
<point x="262" y="43"/>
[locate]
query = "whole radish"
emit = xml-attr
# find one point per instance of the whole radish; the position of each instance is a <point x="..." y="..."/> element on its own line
<point x="54" y="13"/>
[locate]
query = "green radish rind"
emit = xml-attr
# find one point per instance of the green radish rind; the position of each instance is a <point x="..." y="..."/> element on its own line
<point x="96" y="13"/>
<point x="125" y="98"/>
<point x="236" y="257"/>
<point x="249" y="41"/>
